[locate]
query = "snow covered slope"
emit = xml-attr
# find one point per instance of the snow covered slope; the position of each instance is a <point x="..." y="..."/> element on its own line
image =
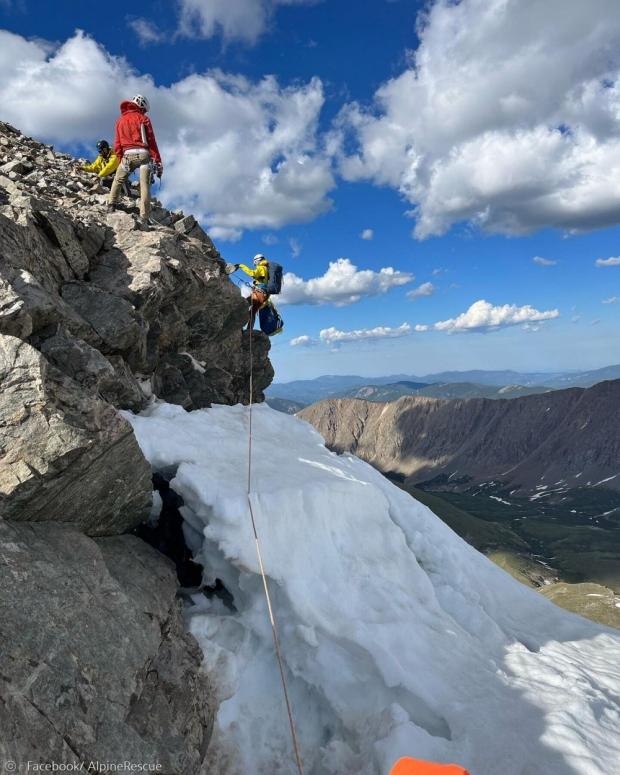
<point x="399" y="638"/>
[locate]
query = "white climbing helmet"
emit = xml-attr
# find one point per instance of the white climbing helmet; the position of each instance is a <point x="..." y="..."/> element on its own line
<point x="141" y="102"/>
<point x="258" y="258"/>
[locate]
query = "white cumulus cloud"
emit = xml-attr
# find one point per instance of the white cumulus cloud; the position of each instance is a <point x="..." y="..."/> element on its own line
<point x="334" y="336"/>
<point x="301" y="341"/>
<point x="613" y="261"/>
<point x="544" y="261"/>
<point x="296" y="247"/>
<point x="507" y="117"/>
<point x="238" y="153"/>
<point x="426" y="289"/>
<point x="367" y="234"/>
<point x="612" y="300"/>
<point x="342" y="284"/>
<point x="225" y="233"/>
<point x="483" y="317"/>
<point x="146" y="31"/>
<point x="244" y="20"/>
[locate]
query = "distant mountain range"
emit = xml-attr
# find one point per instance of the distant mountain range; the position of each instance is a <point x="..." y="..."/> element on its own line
<point x="537" y="446"/>
<point x="284" y="405"/>
<point x="472" y="384"/>
<point x="396" y="390"/>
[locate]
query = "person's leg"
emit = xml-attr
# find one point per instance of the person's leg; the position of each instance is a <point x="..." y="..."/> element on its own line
<point x="254" y="309"/>
<point x="259" y="297"/>
<point x="145" y="191"/>
<point x="119" y="178"/>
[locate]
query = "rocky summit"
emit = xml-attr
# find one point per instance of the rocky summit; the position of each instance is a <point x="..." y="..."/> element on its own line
<point x="99" y="312"/>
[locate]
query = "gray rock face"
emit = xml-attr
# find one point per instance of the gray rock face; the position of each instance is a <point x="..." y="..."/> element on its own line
<point x="123" y="311"/>
<point x="110" y="377"/>
<point x="97" y="312"/>
<point x="566" y="435"/>
<point x="141" y="294"/>
<point x="95" y="665"/>
<point x="65" y="455"/>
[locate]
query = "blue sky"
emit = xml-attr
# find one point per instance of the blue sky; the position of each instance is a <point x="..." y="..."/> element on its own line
<point x="469" y="141"/>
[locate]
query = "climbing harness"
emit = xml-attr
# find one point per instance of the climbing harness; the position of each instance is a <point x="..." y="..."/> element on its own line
<point x="272" y="619"/>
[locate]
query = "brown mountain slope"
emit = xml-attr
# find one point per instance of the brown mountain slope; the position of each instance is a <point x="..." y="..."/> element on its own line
<point x="568" y="438"/>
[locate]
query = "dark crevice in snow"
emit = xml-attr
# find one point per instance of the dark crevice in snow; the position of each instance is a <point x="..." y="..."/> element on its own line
<point x="165" y="533"/>
<point x="219" y="590"/>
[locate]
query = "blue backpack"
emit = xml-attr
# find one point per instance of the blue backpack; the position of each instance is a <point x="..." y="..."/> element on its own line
<point x="274" y="284"/>
<point x="270" y="321"/>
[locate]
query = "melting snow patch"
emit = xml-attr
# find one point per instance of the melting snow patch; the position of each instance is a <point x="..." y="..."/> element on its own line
<point x="609" y="478"/>
<point x="196" y="365"/>
<point x="500" y="500"/>
<point x="398" y="637"/>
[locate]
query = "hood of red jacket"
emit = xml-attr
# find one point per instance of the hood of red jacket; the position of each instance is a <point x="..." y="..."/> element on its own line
<point x="127" y="106"/>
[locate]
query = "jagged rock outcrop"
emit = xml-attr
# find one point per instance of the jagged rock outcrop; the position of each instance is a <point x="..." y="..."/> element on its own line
<point x="568" y="437"/>
<point x="65" y="455"/>
<point x="95" y="665"/>
<point x="98" y="313"/>
<point x="153" y="302"/>
<point x="109" y="313"/>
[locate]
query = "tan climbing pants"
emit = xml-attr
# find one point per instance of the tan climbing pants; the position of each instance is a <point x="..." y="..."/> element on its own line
<point x="131" y="161"/>
<point x="258" y="299"/>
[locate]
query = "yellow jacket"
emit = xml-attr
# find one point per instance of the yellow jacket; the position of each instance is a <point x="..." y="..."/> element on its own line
<point x="260" y="274"/>
<point x="102" y="166"/>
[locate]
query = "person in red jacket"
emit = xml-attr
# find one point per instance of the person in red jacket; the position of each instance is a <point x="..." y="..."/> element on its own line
<point x="136" y="147"/>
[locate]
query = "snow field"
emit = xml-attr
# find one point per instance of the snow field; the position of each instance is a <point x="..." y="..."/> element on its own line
<point x="398" y="637"/>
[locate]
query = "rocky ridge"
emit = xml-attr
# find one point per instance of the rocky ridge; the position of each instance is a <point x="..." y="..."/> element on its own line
<point x="566" y="438"/>
<point x="99" y="313"/>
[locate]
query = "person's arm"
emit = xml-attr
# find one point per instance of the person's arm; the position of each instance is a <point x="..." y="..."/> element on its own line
<point x="247" y="270"/>
<point x="110" y="166"/>
<point x="93" y="166"/>
<point x="118" y="148"/>
<point x="151" y="141"/>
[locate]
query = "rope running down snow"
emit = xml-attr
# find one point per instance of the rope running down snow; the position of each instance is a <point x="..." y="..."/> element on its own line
<point x="272" y="619"/>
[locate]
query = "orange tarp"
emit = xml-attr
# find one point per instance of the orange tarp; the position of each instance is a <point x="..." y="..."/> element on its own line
<point x="407" y="766"/>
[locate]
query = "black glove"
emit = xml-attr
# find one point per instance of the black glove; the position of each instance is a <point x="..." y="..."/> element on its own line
<point x="236" y="267"/>
<point x="159" y="169"/>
